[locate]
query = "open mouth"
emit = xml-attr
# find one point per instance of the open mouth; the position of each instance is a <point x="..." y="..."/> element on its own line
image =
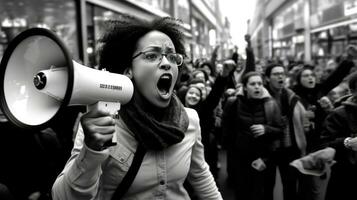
<point x="164" y="84"/>
<point x="281" y="82"/>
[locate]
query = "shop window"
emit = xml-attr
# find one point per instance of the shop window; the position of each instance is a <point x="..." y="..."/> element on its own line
<point x="58" y="16"/>
<point x="183" y="11"/>
<point x="96" y="18"/>
<point x="163" y="5"/>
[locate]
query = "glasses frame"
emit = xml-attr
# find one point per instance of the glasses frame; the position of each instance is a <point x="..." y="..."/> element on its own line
<point x="162" y="55"/>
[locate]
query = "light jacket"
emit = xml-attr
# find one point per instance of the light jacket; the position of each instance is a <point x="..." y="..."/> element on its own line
<point x="91" y="174"/>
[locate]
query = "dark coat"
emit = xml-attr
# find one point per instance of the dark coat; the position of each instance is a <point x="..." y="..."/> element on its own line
<point x="239" y="114"/>
<point x="341" y="123"/>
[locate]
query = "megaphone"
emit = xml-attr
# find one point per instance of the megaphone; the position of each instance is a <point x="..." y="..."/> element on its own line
<point x="39" y="79"/>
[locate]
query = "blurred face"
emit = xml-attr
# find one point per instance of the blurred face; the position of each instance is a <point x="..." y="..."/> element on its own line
<point x="254" y="87"/>
<point x="259" y="68"/>
<point x="331" y="67"/>
<point x="318" y="73"/>
<point x="277" y="78"/>
<point x="207" y="69"/>
<point x="219" y="68"/>
<point x="193" y="96"/>
<point x="308" y="79"/>
<point x="240" y="65"/>
<point x="203" y="89"/>
<point x="201" y="76"/>
<point x="154" y="81"/>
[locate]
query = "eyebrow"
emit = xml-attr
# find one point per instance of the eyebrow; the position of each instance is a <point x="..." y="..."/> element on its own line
<point x="158" y="48"/>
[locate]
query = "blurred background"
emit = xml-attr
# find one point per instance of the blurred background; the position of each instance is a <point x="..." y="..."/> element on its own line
<point x="308" y="30"/>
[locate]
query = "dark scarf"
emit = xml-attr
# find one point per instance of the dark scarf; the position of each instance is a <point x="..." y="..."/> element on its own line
<point x="156" y="129"/>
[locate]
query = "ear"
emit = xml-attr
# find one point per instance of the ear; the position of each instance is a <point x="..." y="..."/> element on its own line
<point x="128" y="72"/>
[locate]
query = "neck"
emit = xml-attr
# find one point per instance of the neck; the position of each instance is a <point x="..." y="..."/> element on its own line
<point x="275" y="92"/>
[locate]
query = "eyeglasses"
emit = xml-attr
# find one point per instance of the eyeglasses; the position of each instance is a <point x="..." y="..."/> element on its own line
<point x="155" y="57"/>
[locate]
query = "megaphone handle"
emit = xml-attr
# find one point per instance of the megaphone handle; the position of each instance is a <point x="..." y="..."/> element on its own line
<point x="112" y="108"/>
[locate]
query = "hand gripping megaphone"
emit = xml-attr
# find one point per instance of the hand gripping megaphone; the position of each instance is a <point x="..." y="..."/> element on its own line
<point x="38" y="79"/>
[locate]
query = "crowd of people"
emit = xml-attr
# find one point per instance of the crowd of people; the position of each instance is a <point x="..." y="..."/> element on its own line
<point x="299" y="118"/>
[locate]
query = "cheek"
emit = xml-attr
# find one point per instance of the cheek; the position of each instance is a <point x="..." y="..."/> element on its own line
<point x="143" y="75"/>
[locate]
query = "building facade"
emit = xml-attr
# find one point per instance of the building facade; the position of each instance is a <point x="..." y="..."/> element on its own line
<point x="307" y="30"/>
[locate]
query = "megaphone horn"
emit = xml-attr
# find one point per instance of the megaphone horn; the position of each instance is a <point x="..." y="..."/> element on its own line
<point x="39" y="78"/>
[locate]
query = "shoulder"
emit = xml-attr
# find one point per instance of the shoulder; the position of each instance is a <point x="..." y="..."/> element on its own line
<point x="192" y="116"/>
<point x="292" y="96"/>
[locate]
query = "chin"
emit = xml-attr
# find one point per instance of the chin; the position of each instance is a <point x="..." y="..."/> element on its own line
<point x="161" y="103"/>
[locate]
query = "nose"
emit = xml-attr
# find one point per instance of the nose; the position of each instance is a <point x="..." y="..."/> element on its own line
<point x="164" y="64"/>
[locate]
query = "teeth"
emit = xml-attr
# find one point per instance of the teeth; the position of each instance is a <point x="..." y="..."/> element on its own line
<point x="165" y="77"/>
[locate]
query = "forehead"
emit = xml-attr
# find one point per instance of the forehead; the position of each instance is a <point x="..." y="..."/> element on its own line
<point x="200" y="85"/>
<point x="307" y="71"/>
<point x="277" y="69"/>
<point x="155" y="39"/>
<point x="255" y="79"/>
<point x="194" y="89"/>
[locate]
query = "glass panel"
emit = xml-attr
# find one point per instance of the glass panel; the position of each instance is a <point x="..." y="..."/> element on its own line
<point x="59" y="16"/>
<point x="96" y="18"/>
<point x="184" y="11"/>
<point x="163" y="5"/>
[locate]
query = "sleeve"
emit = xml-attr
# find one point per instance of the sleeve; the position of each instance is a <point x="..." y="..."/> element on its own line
<point x="298" y="121"/>
<point x="274" y="126"/>
<point x="336" y="77"/>
<point x="335" y="130"/>
<point x="215" y="95"/>
<point x="199" y="175"/>
<point x="81" y="174"/>
<point x="227" y="117"/>
<point x="250" y="61"/>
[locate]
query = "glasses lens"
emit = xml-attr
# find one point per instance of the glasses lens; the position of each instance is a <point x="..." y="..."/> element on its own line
<point x="178" y="59"/>
<point x="152" y="56"/>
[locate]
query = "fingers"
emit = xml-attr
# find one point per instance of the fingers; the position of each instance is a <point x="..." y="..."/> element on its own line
<point x="98" y="127"/>
<point x="257" y="129"/>
<point x="97" y="141"/>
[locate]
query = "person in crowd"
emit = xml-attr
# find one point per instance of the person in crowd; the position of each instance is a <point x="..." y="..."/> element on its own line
<point x="252" y="126"/>
<point x="243" y="66"/>
<point x="235" y="55"/>
<point x="330" y="67"/>
<point x="340" y="132"/>
<point x="205" y="109"/>
<point x="311" y="96"/>
<point x="311" y="92"/>
<point x="338" y="92"/>
<point x="293" y="141"/>
<point x="155" y="133"/>
<point x="210" y="71"/>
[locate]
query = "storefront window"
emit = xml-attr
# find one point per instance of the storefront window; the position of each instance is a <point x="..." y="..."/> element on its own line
<point x="184" y="11"/>
<point x="163" y="5"/>
<point x="96" y="18"/>
<point x="58" y="16"/>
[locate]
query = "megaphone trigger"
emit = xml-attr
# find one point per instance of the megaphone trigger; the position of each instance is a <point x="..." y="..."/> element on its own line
<point x="108" y="107"/>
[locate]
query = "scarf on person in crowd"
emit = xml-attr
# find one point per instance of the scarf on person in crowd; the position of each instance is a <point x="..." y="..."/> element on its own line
<point x="153" y="132"/>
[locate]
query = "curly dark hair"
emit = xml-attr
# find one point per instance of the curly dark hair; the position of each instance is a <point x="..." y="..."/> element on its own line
<point x="121" y="36"/>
